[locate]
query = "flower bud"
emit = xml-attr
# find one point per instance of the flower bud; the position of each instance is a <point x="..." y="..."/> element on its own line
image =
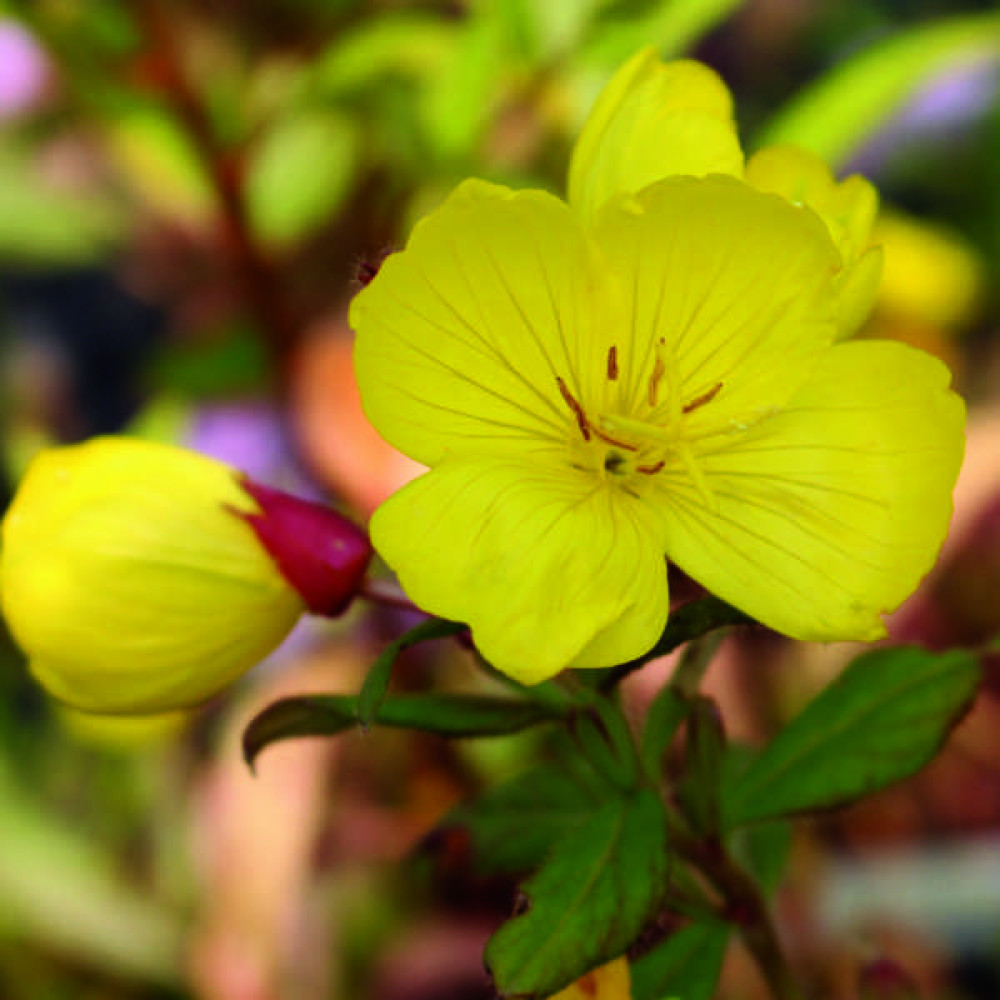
<point x="609" y="982"/>
<point x="141" y="578"/>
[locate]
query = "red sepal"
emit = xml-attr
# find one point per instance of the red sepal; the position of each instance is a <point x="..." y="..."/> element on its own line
<point x="319" y="552"/>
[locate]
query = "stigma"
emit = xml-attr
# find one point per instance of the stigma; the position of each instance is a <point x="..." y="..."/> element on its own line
<point x="626" y="448"/>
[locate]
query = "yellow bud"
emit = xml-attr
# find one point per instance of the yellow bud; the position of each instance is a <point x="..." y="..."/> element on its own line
<point x="609" y="982"/>
<point x="131" y="582"/>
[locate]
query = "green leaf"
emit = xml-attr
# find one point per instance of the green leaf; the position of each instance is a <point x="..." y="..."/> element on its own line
<point x="404" y="43"/>
<point x="544" y="31"/>
<point x="514" y="826"/>
<point x="762" y="851"/>
<point x="442" y="714"/>
<point x="157" y="158"/>
<point x="668" y="710"/>
<point x="686" y="965"/>
<point x="376" y="682"/>
<point x="463" y="92"/>
<point x="588" y="903"/>
<point x="881" y="720"/>
<point x="844" y="108"/>
<point x="67" y="896"/>
<point x="672" y="27"/>
<point x="299" y="175"/>
<point x="604" y="737"/>
<point x="40" y="224"/>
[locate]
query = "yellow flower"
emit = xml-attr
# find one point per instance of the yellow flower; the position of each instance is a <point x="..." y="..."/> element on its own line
<point x="931" y="275"/>
<point x="593" y="389"/>
<point x="142" y="578"/>
<point x="656" y="120"/>
<point x="609" y="982"/>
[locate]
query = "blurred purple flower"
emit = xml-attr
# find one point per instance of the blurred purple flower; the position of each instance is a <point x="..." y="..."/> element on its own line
<point x="24" y="70"/>
<point x="252" y="437"/>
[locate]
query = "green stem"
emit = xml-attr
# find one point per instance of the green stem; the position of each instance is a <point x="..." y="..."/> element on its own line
<point x="743" y="903"/>
<point x="694" y="662"/>
<point x="744" y="906"/>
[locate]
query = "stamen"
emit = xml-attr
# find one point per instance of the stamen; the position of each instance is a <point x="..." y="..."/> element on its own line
<point x="651" y="470"/>
<point x="692" y="468"/>
<point x="581" y="417"/>
<point x="654" y="379"/>
<point x="613" y="363"/>
<point x="705" y="397"/>
<point x="604" y="436"/>
<point x="637" y="428"/>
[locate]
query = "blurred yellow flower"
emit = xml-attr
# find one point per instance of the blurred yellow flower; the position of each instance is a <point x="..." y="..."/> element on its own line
<point x="141" y="578"/>
<point x="931" y="275"/>
<point x="609" y="982"/>
<point x="660" y="379"/>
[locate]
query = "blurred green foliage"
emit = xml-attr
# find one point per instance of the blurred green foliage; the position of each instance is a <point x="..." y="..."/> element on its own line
<point x="212" y="152"/>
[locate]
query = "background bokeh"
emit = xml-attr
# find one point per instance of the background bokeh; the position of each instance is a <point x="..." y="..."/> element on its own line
<point x="189" y="192"/>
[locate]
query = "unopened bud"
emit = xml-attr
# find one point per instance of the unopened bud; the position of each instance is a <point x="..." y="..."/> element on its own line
<point x="142" y="578"/>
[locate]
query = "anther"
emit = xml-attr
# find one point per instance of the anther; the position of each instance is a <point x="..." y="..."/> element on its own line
<point x="581" y="417"/>
<point x="654" y="379"/>
<point x="651" y="470"/>
<point x="612" y="363"/>
<point x="659" y="370"/>
<point x="705" y="397"/>
<point x="604" y="436"/>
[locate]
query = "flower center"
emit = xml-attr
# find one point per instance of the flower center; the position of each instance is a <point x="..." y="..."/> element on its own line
<point x="627" y="449"/>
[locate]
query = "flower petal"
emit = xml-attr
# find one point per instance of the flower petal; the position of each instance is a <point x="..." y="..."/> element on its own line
<point x="830" y="512"/>
<point x="848" y="209"/>
<point x="461" y="337"/>
<point x="550" y="568"/>
<point x="653" y="120"/>
<point x="857" y="288"/>
<point x="737" y="283"/>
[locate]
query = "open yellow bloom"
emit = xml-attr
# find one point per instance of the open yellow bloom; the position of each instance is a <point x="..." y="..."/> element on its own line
<point x="142" y="578"/>
<point x="593" y="390"/>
